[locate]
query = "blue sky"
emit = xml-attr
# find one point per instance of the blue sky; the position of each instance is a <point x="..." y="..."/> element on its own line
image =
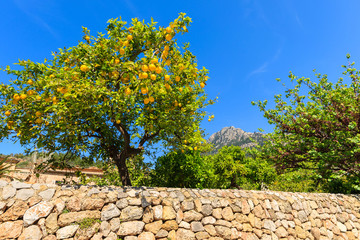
<point x="246" y="44"/>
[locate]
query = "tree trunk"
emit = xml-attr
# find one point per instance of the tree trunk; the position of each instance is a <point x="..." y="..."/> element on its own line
<point x="123" y="170"/>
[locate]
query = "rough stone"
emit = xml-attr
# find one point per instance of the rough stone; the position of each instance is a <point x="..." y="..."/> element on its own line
<point x="68" y="218"/>
<point x="36" y="212"/>
<point x="20" y="185"/>
<point x="206" y="210"/>
<point x="51" y="223"/>
<point x="47" y="194"/>
<point x="8" y="192"/>
<point x="32" y="232"/>
<point x="158" y="212"/>
<point x="192" y="216"/>
<point x="146" y="236"/>
<point x="11" y="230"/>
<point x="16" y="211"/>
<point x="187" y="205"/>
<point x="185" y="234"/>
<point x="268" y="224"/>
<point x="208" y="220"/>
<point x="170" y="225"/>
<point x="168" y="213"/>
<point x="66" y="232"/>
<point x="162" y="233"/>
<point x="228" y="214"/>
<point x="196" y="226"/>
<point x="92" y="204"/>
<point x="224" y="232"/>
<point x="114" y="224"/>
<point x="131" y="213"/>
<point x="74" y="204"/>
<point x="154" y="227"/>
<point x="109" y="211"/>
<point x="130" y="228"/>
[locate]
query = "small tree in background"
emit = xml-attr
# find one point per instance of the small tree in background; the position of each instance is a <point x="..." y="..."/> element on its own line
<point x="320" y="130"/>
<point x="110" y="96"/>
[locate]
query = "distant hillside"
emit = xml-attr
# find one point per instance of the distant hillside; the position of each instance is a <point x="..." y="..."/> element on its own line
<point x="235" y="136"/>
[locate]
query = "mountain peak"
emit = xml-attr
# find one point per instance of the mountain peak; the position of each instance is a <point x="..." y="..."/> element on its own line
<point x="234" y="136"/>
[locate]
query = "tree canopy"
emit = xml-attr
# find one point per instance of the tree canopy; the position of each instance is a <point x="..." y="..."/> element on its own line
<point x="318" y="130"/>
<point x="110" y="96"/>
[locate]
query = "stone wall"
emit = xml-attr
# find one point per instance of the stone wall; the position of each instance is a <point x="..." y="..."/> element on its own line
<point x="39" y="211"/>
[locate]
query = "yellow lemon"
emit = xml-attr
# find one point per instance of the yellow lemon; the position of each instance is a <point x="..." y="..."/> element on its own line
<point x="117" y="61"/>
<point x="153" y="76"/>
<point x="151" y="99"/>
<point x="38" y="120"/>
<point x="122" y="51"/>
<point x="84" y="68"/>
<point x="145" y="68"/>
<point x="168" y="37"/>
<point x="167" y="77"/>
<point x="30" y="82"/>
<point x="166" y="48"/>
<point x="7" y="113"/>
<point x="146" y="101"/>
<point x="127" y="91"/>
<point x="23" y="96"/>
<point x="144" y="90"/>
<point x="118" y="121"/>
<point x="177" y="78"/>
<point x="202" y="85"/>
<point x="152" y="67"/>
<point x="168" y="30"/>
<point x="158" y="70"/>
<point x="87" y="38"/>
<point x="129" y="37"/>
<point x="38" y="114"/>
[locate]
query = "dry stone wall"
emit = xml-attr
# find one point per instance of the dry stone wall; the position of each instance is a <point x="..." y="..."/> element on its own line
<point x="40" y="211"/>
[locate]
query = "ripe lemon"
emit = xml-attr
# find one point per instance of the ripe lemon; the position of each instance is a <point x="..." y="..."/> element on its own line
<point x="152" y="67"/>
<point x="185" y="29"/>
<point x="168" y="30"/>
<point x="154" y="60"/>
<point x="177" y="78"/>
<point x="23" y="96"/>
<point x="52" y="76"/>
<point x="168" y="37"/>
<point x="30" y="82"/>
<point x="117" y="61"/>
<point x="7" y="113"/>
<point x="126" y="43"/>
<point x="145" y="68"/>
<point x="166" y="48"/>
<point x="167" y="77"/>
<point x="84" y="68"/>
<point x="145" y="75"/>
<point x="158" y="70"/>
<point x="151" y="99"/>
<point x="168" y="62"/>
<point x="122" y="51"/>
<point x="146" y="101"/>
<point x="180" y="89"/>
<point x="153" y="77"/>
<point x="16" y="97"/>
<point x="144" y="91"/>
<point x="38" y="120"/>
<point x="118" y="121"/>
<point x="87" y="38"/>
<point x="167" y="86"/>
<point x="127" y="91"/>
<point x="38" y="114"/>
<point x="195" y="148"/>
<point x="202" y="85"/>
<point x="129" y="37"/>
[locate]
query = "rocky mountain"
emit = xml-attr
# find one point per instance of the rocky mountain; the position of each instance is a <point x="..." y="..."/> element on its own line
<point x="235" y="136"/>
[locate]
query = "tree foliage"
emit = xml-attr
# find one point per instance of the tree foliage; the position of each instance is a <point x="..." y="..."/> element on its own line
<point x="109" y="97"/>
<point x="319" y="130"/>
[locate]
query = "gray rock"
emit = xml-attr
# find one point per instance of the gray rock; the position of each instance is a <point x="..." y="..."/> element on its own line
<point x="47" y="194"/>
<point x="24" y="194"/>
<point x="110" y="211"/>
<point x="131" y="213"/>
<point x="93" y="191"/>
<point x="8" y="192"/>
<point x="122" y="203"/>
<point x="206" y="210"/>
<point x="196" y="227"/>
<point x="66" y="232"/>
<point x="114" y="224"/>
<point x="158" y="212"/>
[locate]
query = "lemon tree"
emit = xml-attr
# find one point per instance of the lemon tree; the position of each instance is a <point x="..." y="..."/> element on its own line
<point x="111" y="96"/>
